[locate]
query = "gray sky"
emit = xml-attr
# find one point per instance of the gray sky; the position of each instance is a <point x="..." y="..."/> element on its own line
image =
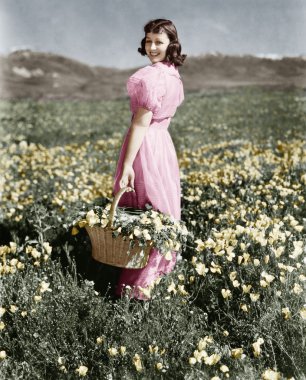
<point x="108" y="32"/>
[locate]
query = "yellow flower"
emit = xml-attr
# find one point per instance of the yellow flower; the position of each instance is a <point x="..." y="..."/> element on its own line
<point x="2" y="325"/>
<point x="74" y="231"/>
<point x="244" y="307"/>
<point x="215" y="268"/>
<point x="137" y="363"/>
<point x="236" y="283"/>
<point x="159" y="366"/>
<point x="236" y="353"/>
<point x="100" y="339"/>
<point x="112" y="351"/>
<point x="82" y="370"/>
<point x="256" y="347"/>
<point x="44" y="286"/>
<point x="212" y="359"/>
<point x="224" y="368"/>
<point x="2" y="311"/>
<point x="37" y="298"/>
<point x="303" y="312"/>
<point x="201" y="269"/>
<point x="233" y="276"/>
<point x="200" y="245"/>
<point x="254" y="297"/>
<point x="146" y="291"/>
<point x="226" y="293"/>
<point x="47" y="247"/>
<point x="269" y="374"/>
<point x="168" y="256"/>
<point x="92" y="218"/>
<point x="246" y="288"/>
<point x="192" y="361"/>
<point x="2" y="355"/>
<point x="122" y="350"/>
<point x="182" y="290"/>
<point x="286" y="313"/>
<point x="297" y="289"/>
<point x="13" y="308"/>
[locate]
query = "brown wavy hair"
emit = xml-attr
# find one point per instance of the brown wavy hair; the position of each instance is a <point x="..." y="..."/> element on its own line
<point x="173" y="52"/>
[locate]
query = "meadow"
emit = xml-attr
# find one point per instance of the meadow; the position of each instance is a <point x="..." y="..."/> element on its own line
<point x="233" y="308"/>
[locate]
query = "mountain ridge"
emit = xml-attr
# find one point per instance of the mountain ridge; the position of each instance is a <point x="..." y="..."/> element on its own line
<point x="42" y="75"/>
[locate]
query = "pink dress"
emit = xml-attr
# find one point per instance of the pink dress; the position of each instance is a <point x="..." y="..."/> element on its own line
<point x="158" y="88"/>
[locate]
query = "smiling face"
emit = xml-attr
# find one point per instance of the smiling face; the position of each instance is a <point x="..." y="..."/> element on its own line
<point x="156" y="46"/>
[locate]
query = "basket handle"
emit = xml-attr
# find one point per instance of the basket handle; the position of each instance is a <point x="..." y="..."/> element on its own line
<point x="115" y="204"/>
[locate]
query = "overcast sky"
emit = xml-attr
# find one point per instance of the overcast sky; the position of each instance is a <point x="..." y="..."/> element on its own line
<point x="108" y="32"/>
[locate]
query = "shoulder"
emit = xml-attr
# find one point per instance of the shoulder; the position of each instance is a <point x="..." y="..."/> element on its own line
<point x="148" y="75"/>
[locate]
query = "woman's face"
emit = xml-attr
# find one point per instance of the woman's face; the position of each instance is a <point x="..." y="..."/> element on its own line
<point x="156" y="46"/>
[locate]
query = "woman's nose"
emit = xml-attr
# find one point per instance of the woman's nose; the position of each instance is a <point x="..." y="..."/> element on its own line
<point x="153" y="46"/>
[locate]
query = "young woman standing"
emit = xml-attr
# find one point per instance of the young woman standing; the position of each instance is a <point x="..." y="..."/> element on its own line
<point x="148" y="160"/>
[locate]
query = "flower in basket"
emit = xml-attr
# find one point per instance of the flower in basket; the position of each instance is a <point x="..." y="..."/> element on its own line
<point x="143" y="227"/>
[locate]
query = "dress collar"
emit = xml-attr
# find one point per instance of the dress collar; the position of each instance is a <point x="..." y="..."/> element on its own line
<point x="167" y="66"/>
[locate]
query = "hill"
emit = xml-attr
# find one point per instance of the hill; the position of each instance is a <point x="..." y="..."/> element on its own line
<point x="40" y="75"/>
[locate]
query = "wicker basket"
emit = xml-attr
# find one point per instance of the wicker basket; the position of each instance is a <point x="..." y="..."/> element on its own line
<point x="113" y="251"/>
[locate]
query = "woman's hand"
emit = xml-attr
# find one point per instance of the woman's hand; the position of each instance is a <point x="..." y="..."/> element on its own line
<point x="128" y="176"/>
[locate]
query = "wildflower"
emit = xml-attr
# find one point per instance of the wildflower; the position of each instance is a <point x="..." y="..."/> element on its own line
<point x="244" y="307"/>
<point x="286" y="313"/>
<point x="192" y="361"/>
<point x="256" y="262"/>
<point x="37" y="298"/>
<point x="201" y="269"/>
<point x="182" y="291"/>
<point x="212" y="359"/>
<point x="225" y="333"/>
<point x="226" y="293"/>
<point x="159" y="366"/>
<point x="168" y="256"/>
<point x="74" y="231"/>
<point x="256" y="346"/>
<point x="215" y="268"/>
<point x="92" y="218"/>
<point x="13" y="308"/>
<point x="246" y="288"/>
<point x="100" y="340"/>
<point x="2" y="311"/>
<point x="303" y="312"/>
<point x="82" y="370"/>
<point x="44" y="286"/>
<point x="224" y="368"/>
<point x="236" y="283"/>
<point x="254" y="297"/>
<point x="112" y="351"/>
<point x="2" y="355"/>
<point x="297" y="289"/>
<point x="203" y="342"/>
<point x="137" y="363"/>
<point x="236" y="353"/>
<point x="122" y="350"/>
<point x="24" y="313"/>
<point x="232" y="276"/>
<point x="2" y="325"/>
<point x="200" y="245"/>
<point x="181" y="277"/>
<point x="298" y="249"/>
<point x="269" y="374"/>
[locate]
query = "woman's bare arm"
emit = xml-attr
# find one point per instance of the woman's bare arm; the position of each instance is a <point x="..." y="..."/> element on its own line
<point x="140" y="124"/>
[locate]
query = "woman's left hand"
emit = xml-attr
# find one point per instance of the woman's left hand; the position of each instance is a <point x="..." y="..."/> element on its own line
<point x="128" y="176"/>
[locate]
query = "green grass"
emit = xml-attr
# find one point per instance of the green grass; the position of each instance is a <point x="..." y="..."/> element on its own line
<point x="243" y="157"/>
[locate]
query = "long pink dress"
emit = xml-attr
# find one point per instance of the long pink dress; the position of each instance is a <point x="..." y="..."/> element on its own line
<point x="158" y="88"/>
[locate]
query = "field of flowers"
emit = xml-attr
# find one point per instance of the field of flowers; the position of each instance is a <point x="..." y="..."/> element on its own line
<point x="233" y="308"/>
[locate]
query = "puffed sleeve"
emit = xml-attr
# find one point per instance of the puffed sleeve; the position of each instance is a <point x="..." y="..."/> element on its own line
<point x="146" y="89"/>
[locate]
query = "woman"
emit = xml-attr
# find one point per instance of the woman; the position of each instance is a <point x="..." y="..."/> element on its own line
<point x="147" y="160"/>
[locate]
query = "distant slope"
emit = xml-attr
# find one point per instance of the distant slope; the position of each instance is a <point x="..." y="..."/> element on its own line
<point x="38" y="75"/>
